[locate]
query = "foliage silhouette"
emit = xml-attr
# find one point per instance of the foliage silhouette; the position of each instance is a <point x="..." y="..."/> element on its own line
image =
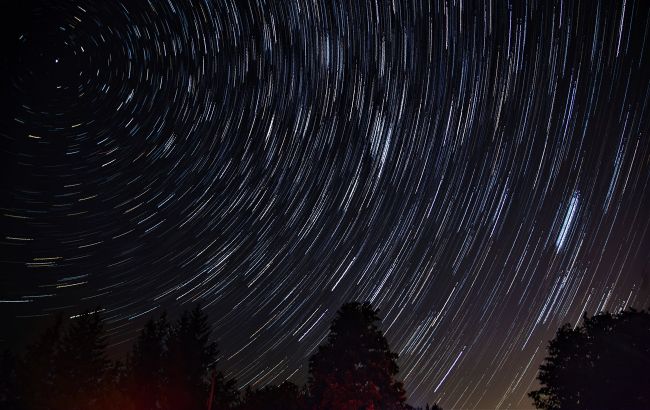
<point x="286" y="396"/>
<point x="191" y="357"/>
<point x="67" y="368"/>
<point x="8" y="381"/>
<point x="602" y="364"/>
<point x="434" y="407"/>
<point x="82" y="364"/>
<point x="145" y="379"/>
<point x="172" y="366"/>
<point x="355" y="369"/>
<point x="37" y="372"/>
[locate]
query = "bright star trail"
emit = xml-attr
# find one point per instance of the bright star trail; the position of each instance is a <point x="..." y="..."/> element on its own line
<point x="479" y="172"/>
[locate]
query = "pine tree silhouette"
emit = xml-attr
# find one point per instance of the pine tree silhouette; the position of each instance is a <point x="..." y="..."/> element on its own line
<point x="37" y="371"/>
<point x="602" y="364"/>
<point x="286" y="396"/>
<point x="355" y="368"/>
<point x="145" y="365"/>
<point x="8" y="381"/>
<point x="190" y="366"/>
<point x="82" y="365"/>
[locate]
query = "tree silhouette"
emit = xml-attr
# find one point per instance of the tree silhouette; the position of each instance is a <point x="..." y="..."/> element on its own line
<point x="191" y="354"/>
<point x="8" y="381"/>
<point x="434" y="407"/>
<point x="355" y="369"/>
<point x="602" y="364"/>
<point x="172" y="366"/>
<point x="145" y="365"/>
<point x="223" y="391"/>
<point x="83" y="376"/>
<point x="190" y="366"/>
<point x="37" y="371"/>
<point x="286" y="396"/>
<point x="67" y="367"/>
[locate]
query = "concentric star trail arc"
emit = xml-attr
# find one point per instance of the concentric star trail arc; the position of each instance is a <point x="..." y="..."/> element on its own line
<point x="477" y="171"/>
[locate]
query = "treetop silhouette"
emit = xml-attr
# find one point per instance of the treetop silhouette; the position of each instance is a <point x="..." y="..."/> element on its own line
<point x="604" y="363"/>
<point x="172" y="366"/>
<point x="355" y="368"/>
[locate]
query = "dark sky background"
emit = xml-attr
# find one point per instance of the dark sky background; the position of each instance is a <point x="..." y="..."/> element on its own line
<point x="479" y="172"/>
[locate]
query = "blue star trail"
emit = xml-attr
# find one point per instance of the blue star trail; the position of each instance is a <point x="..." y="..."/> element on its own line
<point x="478" y="171"/>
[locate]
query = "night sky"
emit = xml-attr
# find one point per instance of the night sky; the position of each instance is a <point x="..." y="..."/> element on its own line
<point x="479" y="172"/>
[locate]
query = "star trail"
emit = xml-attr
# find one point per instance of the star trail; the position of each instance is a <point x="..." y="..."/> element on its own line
<point x="477" y="171"/>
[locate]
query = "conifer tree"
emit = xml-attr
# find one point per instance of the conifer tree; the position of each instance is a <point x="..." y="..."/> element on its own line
<point x="145" y="365"/>
<point x="8" y="381"/>
<point x="190" y="366"/>
<point x="37" y="370"/>
<point x="82" y="365"/>
<point x="601" y="364"/>
<point x="355" y="368"/>
<point x="286" y="396"/>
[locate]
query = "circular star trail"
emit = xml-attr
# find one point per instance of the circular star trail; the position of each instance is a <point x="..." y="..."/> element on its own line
<point x="479" y="172"/>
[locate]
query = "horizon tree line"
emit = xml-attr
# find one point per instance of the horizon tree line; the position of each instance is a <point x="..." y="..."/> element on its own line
<point x="172" y="365"/>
